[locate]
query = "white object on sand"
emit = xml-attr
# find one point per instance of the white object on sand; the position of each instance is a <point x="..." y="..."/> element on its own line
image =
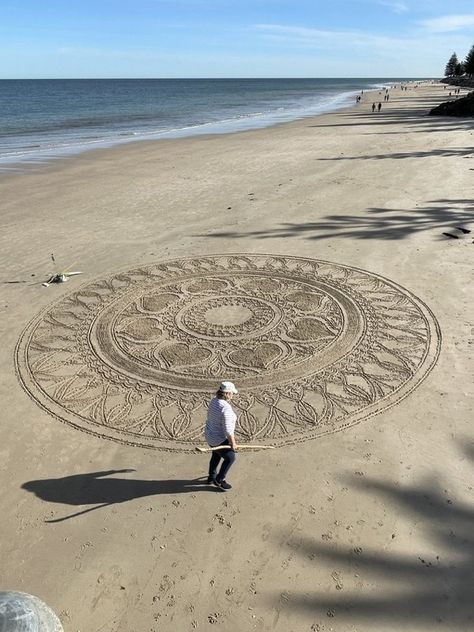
<point x="20" y="612"/>
<point x="60" y="277"/>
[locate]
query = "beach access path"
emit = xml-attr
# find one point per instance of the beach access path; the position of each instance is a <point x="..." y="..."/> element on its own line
<point x="364" y="530"/>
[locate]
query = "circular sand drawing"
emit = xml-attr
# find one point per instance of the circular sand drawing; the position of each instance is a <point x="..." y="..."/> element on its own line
<point x="313" y="347"/>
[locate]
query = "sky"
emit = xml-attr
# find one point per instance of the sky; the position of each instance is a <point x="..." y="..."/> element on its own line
<point x="232" y="38"/>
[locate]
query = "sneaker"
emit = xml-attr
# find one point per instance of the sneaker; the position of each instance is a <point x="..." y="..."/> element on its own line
<point x="210" y="480"/>
<point x="223" y="485"/>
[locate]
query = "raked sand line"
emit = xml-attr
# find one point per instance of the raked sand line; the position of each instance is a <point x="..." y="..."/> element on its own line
<point x="315" y="347"/>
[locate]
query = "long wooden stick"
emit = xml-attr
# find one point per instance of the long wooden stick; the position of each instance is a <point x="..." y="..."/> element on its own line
<point x="65" y="271"/>
<point x="239" y="447"/>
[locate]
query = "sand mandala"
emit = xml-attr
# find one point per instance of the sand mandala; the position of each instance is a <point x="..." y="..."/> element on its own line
<point x="313" y="347"/>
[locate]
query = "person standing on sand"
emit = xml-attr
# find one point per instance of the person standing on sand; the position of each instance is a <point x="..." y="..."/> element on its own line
<point x="373" y="107"/>
<point x="220" y="428"/>
<point x="379" y="107"/>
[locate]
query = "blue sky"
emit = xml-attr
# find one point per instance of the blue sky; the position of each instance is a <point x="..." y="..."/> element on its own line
<point x="232" y="38"/>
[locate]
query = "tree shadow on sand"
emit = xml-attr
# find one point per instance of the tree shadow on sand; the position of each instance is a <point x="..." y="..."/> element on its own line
<point x="414" y="118"/>
<point x="377" y="223"/>
<point x="93" y="489"/>
<point x="446" y="153"/>
<point x="425" y="589"/>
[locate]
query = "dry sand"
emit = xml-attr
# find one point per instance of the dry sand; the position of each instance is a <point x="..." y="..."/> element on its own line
<point x="368" y="529"/>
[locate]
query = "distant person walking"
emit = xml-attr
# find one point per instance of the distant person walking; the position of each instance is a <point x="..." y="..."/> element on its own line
<point x="373" y="107"/>
<point x="379" y="107"/>
<point x="220" y="429"/>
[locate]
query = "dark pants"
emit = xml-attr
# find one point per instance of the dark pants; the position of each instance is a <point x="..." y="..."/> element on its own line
<point x="228" y="457"/>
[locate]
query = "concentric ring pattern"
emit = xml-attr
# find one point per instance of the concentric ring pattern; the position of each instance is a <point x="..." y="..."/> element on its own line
<point x="313" y="346"/>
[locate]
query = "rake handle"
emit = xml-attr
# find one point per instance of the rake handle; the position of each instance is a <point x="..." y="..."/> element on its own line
<point x="239" y="447"/>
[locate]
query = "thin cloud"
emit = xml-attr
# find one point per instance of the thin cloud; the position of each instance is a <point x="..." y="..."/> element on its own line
<point x="397" y="7"/>
<point x="448" y="23"/>
<point x="369" y="49"/>
<point x="317" y="38"/>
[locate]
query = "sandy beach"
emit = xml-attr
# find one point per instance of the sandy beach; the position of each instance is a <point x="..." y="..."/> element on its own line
<point x="364" y="525"/>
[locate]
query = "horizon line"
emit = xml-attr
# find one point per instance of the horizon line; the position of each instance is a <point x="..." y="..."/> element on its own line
<point x="198" y="78"/>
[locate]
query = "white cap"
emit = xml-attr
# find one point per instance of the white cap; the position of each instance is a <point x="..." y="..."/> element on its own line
<point x="228" y="387"/>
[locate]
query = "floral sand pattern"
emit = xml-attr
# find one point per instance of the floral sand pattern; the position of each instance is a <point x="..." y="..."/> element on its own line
<point x="313" y="346"/>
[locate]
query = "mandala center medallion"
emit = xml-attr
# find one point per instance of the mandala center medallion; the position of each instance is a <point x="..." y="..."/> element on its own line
<point x="312" y="346"/>
<point x="183" y="339"/>
<point x="228" y="317"/>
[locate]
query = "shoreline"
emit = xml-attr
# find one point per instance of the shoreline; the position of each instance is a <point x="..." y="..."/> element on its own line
<point x="300" y="540"/>
<point x="45" y="156"/>
<point x="135" y="146"/>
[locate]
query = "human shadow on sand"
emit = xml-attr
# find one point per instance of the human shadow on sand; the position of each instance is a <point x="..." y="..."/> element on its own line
<point x="427" y="586"/>
<point x="94" y="489"/>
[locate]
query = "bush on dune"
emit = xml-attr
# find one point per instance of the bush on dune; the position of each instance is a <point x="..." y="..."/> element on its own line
<point x="460" y="107"/>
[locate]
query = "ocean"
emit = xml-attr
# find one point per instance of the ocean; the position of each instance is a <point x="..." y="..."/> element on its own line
<point x="42" y="119"/>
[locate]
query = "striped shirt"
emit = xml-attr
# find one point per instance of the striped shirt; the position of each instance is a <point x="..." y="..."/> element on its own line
<point x="220" y="422"/>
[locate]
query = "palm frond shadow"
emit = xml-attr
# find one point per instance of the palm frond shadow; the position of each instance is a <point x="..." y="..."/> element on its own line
<point x="376" y="223"/>
<point x="426" y="589"/>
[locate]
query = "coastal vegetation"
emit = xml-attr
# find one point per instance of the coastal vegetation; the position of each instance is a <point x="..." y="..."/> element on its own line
<point x="460" y="107"/>
<point x="461" y="74"/>
<point x="456" y="68"/>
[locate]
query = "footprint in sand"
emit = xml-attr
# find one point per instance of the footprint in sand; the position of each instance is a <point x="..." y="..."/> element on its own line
<point x="213" y="618"/>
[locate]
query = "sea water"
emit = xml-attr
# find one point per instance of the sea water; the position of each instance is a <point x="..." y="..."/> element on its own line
<point x="46" y="118"/>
